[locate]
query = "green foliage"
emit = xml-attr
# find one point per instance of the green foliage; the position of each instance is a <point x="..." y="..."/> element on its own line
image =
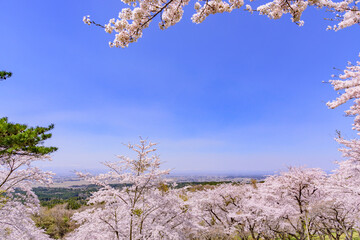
<point x="73" y="204"/>
<point x="52" y="196"/>
<point x="49" y="196"/>
<point x="137" y="212"/>
<point x="3" y="198"/>
<point x="184" y="197"/>
<point x="21" y="139"/>
<point x="52" y="203"/>
<point x="163" y="187"/>
<point x="4" y="75"/>
<point x="55" y="221"/>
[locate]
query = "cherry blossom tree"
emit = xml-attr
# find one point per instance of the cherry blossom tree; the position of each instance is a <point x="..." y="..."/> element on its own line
<point x="345" y="180"/>
<point x="348" y="86"/>
<point x="258" y="223"/>
<point x="229" y="210"/>
<point x="336" y="215"/>
<point x="145" y="208"/>
<point x="213" y="208"/>
<point x="131" y="21"/>
<point x="289" y="199"/>
<point x="18" y="201"/>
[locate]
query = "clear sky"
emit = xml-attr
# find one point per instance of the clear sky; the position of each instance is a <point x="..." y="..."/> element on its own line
<point x="238" y="93"/>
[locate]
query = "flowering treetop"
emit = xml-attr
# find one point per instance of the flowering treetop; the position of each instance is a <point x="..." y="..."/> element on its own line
<point x="144" y="208"/>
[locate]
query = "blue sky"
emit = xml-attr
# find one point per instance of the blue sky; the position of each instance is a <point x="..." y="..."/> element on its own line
<point x="237" y="93"/>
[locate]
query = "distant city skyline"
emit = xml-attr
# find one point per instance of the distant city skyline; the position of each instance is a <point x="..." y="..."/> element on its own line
<point x="237" y="93"/>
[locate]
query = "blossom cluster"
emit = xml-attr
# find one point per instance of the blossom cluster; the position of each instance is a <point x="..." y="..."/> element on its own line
<point x="132" y="21"/>
<point x="145" y="208"/>
<point x="349" y="87"/>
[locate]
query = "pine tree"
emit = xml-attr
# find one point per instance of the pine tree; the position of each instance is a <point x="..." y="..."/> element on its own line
<point x="4" y="75"/>
<point x="20" y="139"/>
